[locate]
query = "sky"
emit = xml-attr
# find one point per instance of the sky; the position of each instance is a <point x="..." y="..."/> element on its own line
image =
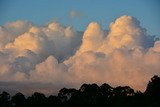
<point x="104" y="11"/>
<point x="49" y="45"/>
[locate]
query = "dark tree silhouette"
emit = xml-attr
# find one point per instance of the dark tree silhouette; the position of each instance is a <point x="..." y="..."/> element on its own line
<point x="106" y="90"/>
<point x="65" y="94"/>
<point x="123" y="91"/>
<point x="90" y="95"/>
<point x="18" y="100"/>
<point x="5" y="99"/>
<point x="153" y="87"/>
<point x="152" y="93"/>
<point x="37" y="100"/>
<point x="53" y="101"/>
<point x="122" y="96"/>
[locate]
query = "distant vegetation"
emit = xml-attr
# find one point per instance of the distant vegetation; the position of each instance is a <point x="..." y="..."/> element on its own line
<point x="89" y="95"/>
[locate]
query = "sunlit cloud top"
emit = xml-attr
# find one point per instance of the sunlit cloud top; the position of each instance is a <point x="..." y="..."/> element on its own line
<point x="56" y="56"/>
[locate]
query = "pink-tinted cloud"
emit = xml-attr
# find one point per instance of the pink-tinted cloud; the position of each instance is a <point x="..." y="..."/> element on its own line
<point x="62" y="57"/>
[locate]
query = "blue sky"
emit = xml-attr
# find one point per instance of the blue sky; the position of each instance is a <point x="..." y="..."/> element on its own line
<point x="41" y="12"/>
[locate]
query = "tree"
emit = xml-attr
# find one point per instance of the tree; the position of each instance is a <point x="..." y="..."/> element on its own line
<point x="18" y="100"/>
<point x="122" y="96"/>
<point x="123" y="91"/>
<point x="37" y="100"/>
<point x="90" y="94"/>
<point x="153" y="87"/>
<point x="65" y="94"/>
<point x="89" y="88"/>
<point x="5" y="99"/>
<point x="106" y="93"/>
<point x="152" y="93"/>
<point x="106" y="90"/>
<point x="53" y="101"/>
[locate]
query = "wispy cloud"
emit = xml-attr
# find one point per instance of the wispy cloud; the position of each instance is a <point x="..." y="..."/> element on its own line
<point x="76" y="14"/>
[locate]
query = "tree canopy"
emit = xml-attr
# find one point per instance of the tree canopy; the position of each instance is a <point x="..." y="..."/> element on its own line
<point x="89" y="95"/>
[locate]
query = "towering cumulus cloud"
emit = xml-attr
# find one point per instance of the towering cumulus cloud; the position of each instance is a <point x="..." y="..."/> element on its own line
<point x="56" y="56"/>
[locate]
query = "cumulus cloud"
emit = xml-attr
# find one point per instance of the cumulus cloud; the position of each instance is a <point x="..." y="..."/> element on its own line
<point x="53" y="39"/>
<point x="56" y="56"/>
<point x="11" y="30"/>
<point x="92" y="38"/>
<point x="125" y="50"/>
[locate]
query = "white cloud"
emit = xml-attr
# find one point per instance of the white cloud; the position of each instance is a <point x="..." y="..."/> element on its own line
<point x="124" y="49"/>
<point x="11" y="30"/>
<point x="92" y="38"/>
<point x="59" y="56"/>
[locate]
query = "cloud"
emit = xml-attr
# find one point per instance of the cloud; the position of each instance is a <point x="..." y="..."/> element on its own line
<point x="53" y="39"/>
<point x="119" y="56"/>
<point x="76" y="14"/>
<point x="92" y="38"/>
<point x="127" y="32"/>
<point x="11" y="30"/>
<point x="51" y="69"/>
<point x="56" y="56"/>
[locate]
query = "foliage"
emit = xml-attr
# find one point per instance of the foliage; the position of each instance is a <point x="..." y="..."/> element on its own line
<point x="89" y="95"/>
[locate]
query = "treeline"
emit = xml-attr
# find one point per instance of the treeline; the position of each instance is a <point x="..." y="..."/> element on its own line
<point x="89" y="95"/>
